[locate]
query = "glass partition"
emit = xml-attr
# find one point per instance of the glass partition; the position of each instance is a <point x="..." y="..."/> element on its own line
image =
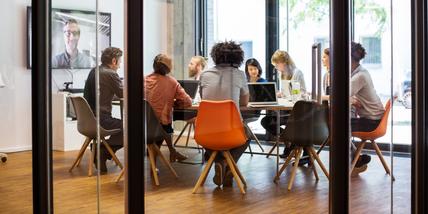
<point x="15" y="107"/>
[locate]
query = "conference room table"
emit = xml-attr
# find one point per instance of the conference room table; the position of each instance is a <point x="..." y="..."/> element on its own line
<point x="283" y="105"/>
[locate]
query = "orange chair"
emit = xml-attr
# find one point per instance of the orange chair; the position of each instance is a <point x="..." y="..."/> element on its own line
<point x="219" y="128"/>
<point x="372" y="136"/>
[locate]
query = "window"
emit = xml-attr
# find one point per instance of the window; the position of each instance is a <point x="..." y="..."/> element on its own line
<point x="373" y="49"/>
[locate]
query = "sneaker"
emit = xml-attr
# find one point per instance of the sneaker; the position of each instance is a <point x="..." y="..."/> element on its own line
<point x="358" y="170"/>
<point x="363" y="160"/>
<point x="228" y="178"/>
<point x="218" y="177"/>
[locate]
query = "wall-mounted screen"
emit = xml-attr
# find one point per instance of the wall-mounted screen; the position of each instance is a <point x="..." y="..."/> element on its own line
<point x="74" y="38"/>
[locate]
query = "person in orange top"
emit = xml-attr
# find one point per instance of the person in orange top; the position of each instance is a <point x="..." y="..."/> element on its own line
<point x="163" y="92"/>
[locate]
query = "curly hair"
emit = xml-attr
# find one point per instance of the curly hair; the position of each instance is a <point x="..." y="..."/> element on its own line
<point x="357" y="52"/>
<point x="227" y="52"/>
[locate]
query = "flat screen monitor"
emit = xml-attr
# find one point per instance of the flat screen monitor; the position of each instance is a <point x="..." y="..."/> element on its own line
<point x="190" y="86"/>
<point x="74" y="38"/>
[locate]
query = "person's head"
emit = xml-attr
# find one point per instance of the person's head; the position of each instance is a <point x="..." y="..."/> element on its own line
<point x="357" y="53"/>
<point x="196" y="65"/>
<point x="326" y="58"/>
<point x="112" y="58"/>
<point x="252" y="69"/>
<point x="283" y="63"/>
<point x="162" y="64"/>
<point x="71" y="32"/>
<point x="227" y="52"/>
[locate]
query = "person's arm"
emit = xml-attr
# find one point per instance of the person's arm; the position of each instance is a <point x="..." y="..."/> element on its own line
<point x="244" y="93"/>
<point x="182" y="99"/>
<point x="116" y="85"/>
<point x="243" y="99"/>
<point x="357" y="83"/>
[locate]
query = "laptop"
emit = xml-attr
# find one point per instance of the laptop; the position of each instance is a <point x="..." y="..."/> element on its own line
<point x="190" y="87"/>
<point x="262" y="93"/>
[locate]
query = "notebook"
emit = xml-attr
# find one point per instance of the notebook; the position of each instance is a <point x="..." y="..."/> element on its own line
<point x="262" y="93"/>
<point x="190" y="86"/>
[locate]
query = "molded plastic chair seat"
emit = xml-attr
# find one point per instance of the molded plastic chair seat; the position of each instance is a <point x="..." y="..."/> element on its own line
<point x="154" y="133"/>
<point x="306" y="126"/>
<point x="219" y="128"/>
<point x="372" y="136"/>
<point x="87" y="126"/>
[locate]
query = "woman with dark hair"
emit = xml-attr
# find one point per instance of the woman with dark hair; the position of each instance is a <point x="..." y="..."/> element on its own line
<point x="326" y="63"/>
<point x="366" y="105"/>
<point x="225" y="81"/>
<point x="253" y="71"/>
<point x="163" y="92"/>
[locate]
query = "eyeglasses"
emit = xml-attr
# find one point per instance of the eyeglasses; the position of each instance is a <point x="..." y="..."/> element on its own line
<point x="68" y="33"/>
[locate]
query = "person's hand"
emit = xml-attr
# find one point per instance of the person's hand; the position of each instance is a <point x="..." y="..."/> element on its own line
<point x="355" y="102"/>
<point x="279" y="94"/>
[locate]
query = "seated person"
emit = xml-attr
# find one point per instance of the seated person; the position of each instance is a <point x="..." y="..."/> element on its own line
<point x="367" y="107"/>
<point x="253" y="71"/>
<point x="288" y="70"/>
<point x="110" y="86"/>
<point x="326" y="64"/>
<point x="162" y="91"/>
<point x="225" y="81"/>
<point x="196" y="66"/>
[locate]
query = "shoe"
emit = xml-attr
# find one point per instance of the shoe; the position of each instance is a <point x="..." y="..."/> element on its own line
<point x="218" y="177"/>
<point x="286" y="152"/>
<point x="363" y="160"/>
<point x="228" y="178"/>
<point x="176" y="156"/>
<point x="358" y="170"/>
<point x="103" y="159"/>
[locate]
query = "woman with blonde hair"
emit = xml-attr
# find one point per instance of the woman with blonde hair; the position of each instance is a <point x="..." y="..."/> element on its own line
<point x="288" y="70"/>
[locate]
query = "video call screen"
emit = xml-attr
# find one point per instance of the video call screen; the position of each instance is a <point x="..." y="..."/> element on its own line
<point x="74" y="38"/>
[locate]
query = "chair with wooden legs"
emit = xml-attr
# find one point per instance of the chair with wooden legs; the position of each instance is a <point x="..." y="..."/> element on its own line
<point x="306" y="126"/>
<point x="189" y="124"/>
<point x="154" y="133"/>
<point x="372" y="136"/>
<point x="87" y="126"/>
<point x="251" y="133"/>
<point x="219" y="128"/>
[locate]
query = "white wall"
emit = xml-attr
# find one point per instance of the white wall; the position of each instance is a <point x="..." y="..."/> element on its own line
<point x="155" y="31"/>
<point x="15" y="98"/>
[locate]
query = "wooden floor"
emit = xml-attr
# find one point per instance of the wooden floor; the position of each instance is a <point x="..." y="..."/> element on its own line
<point x="76" y="193"/>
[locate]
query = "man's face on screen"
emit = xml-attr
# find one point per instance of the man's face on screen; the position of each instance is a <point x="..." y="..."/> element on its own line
<point x="71" y="37"/>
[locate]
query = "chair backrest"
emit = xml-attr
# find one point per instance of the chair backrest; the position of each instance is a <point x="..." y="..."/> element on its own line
<point x="307" y="124"/>
<point x="154" y="130"/>
<point x="219" y="126"/>
<point x="380" y="129"/>
<point x="86" y="122"/>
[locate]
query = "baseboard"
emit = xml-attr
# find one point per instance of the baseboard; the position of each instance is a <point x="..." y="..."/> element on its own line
<point x="16" y="149"/>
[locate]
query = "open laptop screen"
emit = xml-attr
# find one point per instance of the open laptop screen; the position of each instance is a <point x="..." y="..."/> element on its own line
<point x="262" y="93"/>
<point x="190" y="86"/>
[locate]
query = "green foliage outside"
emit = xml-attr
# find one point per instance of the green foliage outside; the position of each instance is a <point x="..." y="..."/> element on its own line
<point x="318" y="10"/>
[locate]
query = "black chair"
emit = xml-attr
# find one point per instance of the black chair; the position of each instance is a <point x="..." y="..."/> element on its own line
<point x="154" y="133"/>
<point x="306" y="126"/>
